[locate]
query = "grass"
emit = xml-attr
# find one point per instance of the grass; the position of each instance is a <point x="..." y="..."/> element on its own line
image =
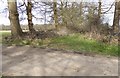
<point x="75" y="42"/>
<point x="4" y="34"/>
<point x="79" y="43"/>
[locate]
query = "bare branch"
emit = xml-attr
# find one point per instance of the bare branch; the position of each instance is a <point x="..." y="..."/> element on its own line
<point x="108" y="9"/>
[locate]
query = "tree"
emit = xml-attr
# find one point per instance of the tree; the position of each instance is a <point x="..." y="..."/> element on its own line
<point x="55" y="14"/>
<point x="99" y="9"/>
<point x="81" y="8"/>
<point x="116" y="17"/>
<point x="62" y="11"/>
<point x="14" y="20"/>
<point x="99" y="15"/>
<point x="119" y="15"/>
<point x="119" y="25"/>
<point x="29" y="15"/>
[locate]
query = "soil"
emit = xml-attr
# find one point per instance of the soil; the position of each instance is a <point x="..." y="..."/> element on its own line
<point x="29" y="61"/>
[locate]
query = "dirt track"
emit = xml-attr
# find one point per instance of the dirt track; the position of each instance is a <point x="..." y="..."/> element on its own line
<point x="28" y="61"/>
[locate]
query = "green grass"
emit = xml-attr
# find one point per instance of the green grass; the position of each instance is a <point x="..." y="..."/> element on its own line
<point x="78" y="43"/>
<point x="4" y="34"/>
<point x="75" y="42"/>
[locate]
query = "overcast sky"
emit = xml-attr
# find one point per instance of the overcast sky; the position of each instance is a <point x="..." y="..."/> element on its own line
<point x="4" y="16"/>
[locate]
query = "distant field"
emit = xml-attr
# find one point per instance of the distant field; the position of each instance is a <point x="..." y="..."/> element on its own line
<point x="25" y="27"/>
<point x="4" y="33"/>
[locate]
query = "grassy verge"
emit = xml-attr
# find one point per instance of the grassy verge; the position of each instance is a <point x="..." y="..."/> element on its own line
<point x="77" y="42"/>
<point x="72" y="42"/>
<point x="4" y="34"/>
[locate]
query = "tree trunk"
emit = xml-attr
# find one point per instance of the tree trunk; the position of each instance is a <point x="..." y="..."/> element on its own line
<point x="45" y="17"/>
<point x="29" y="16"/>
<point x="119" y="25"/>
<point x="99" y="16"/>
<point x="81" y="8"/>
<point x="55" y="14"/>
<point x="116" y="18"/>
<point x="119" y="14"/>
<point x="99" y="9"/>
<point x="66" y="4"/>
<point x="14" y="20"/>
<point x="62" y="14"/>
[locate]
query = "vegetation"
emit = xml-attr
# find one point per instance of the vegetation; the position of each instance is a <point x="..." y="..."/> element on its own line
<point x="74" y="26"/>
<point x="3" y="34"/>
<point x="75" y="42"/>
<point x="14" y="19"/>
<point x="79" y="43"/>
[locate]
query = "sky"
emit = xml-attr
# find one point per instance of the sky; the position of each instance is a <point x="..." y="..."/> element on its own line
<point x="5" y="21"/>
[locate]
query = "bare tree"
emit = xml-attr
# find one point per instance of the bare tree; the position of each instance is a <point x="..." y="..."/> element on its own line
<point x="99" y="9"/>
<point x="116" y="18"/>
<point x="55" y="14"/>
<point x="81" y="6"/>
<point x="14" y="20"/>
<point x="119" y="14"/>
<point x="29" y="15"/>
<point x="63" y="11"/>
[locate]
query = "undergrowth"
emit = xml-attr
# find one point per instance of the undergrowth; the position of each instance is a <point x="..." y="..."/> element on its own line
<point x="75" y="42"/>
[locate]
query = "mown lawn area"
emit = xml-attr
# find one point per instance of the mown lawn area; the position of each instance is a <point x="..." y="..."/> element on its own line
<point x="75" y="42"/>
